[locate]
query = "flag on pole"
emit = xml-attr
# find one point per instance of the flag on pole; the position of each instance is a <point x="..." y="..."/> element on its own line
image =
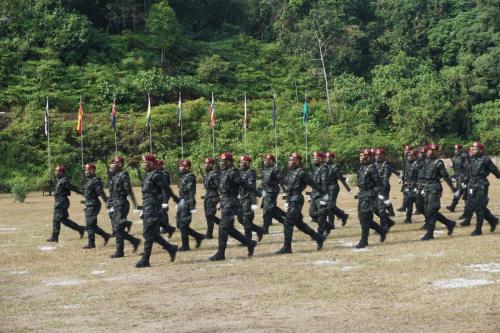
<point x="113" y="116"/>
<point x="179" y="112"/>
<point x="47" y="118"/>
<point x="245" y="118"/>
<point x="275" y="116"/>
<point x="212" y="112"/>
<point x="305" y="113"/>
<point x="79" y="125"/>
<point x="148" y="115"/>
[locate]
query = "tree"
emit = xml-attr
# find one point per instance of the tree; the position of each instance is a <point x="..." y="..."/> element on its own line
<point x="163" y="24"/>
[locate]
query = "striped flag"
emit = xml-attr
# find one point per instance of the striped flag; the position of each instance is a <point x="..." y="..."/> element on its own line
<point x="245" y="118"/>
<point x="47" y="118"/>
<point x="148" y="115"/>
<point x="179" y="112"/>
<point x="275" y="116"/>
<point x="305" y="113"/>
<point x="113" y="116"/>
<point x="212" y="112"/>
<point x="79" y="124"/>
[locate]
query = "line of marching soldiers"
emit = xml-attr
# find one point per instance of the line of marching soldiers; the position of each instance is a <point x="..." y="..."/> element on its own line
<point x="234" y="192"/>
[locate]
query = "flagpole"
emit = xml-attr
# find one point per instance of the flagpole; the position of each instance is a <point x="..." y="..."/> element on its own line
<point x="180" y="122"/>
<point x="48" y="138"/>
<point x="306" y="122"/>
<point x="115" y="127"/>
<point x="81" y="137"/>
<point x="149" y="125"/>
<point x="245" y="125"/>
<point x="275" y="129"/>
<point x="213" y="125"/>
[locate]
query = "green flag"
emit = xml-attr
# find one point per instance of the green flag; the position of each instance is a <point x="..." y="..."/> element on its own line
<point x="305" y="113"/>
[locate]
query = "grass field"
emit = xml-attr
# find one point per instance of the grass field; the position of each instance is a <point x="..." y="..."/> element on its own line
<point x="451" y="284"/>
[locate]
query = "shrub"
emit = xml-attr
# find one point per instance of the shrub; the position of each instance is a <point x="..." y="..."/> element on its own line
<point x="19" y="187"/>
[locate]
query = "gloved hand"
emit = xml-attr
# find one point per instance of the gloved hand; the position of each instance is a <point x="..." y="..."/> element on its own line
<point x="111" y="210"/>
<point x="286" y="206"/>
<point x="164" y="205"/>
<point x="381" y="197"/>
<point x="387" y="202"/>
<point x="264" y="193"/>
<point x="253" y="207"/>
<point x="218" y="206"/>
<point x="347" y="180"/>
<point x="456" y="194"/>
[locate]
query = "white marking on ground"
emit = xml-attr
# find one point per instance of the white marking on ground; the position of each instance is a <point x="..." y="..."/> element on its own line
<point x="461" y="283"/>
<point x="439" y="232"/>
<point x="347" y="243"/>
<point x="360" y="250"/>
<point x="63" y="282"/>
<point x="97" y="272"/>
<point x="47" y="248"/>
<point x="70" y="307"/>
<point x="489" y="268"/>
<point x="19" y="272"/>
<point x="7" y="229"/>
<point x="10" y="244"/>
<point x="324" y="262"/>
<point x="346" y="268"/>
<point x="435" y="255"/>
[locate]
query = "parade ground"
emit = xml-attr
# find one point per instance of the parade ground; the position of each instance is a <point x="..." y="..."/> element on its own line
<point x="450" y="284"/>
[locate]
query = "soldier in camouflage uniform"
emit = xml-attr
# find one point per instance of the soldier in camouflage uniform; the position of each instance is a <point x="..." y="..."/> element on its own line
<point x="229" y="186"/>
<point x="335" y="175"/>
<point x="369" y="184"/>
<point x="122" y="189"/>
<point x="410" y="186"/>
<point x="434" y="171"/>
<point x="248" y="199"/>
<point x="92" y="191"/>
<point x="385" y="169"/>
<point x="269" y="191"/>
<point x="211" y="198"/>
<point x="296" y="181"/>
<point x="318" y="208"/>
<point x="420" y="165"/>
<point x="155" y="197"/>
<point x="187" y="204"/>
<point x="459" y="163"/>
<point x="61" y="205"/>
<point x="165" y="226"/>
<point x="480" y="168"/>
<point x="406" y="151"/>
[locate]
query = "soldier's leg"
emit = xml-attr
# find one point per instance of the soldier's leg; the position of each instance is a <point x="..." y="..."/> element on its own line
<point x="479" y="202"/>
<point x="389" y="207"/>
<point x="225" y="224"/>
<point x="90" y="227"/>
<point x="71" y="224"/>
<point x="314" y="213"/>
<point x="378" y="229"/>
<point x="291" y="216"/>
<point x="170" y="248"/>
<point x="56" y="226"/>
<point x="408" y="204"/>
<point x="150" y="229"/>
<point x="164" y="223"/>
<point x="267" y="208"/>
<point x="385" y="221"/>
<point x="492" y="219"/>
<point x="299" y="223"/>
<point x="210" y="210"/>
<point x="182" y="225"/>
<point x="431" y="208"/>
<point x="365" y="217"/>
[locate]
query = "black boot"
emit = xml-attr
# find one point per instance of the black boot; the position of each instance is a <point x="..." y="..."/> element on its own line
<point x="451" y="207"/>
<point x="54" y="238"/>
<point x="429" y="234"/>
<point x="451" y="226"/>
<point x="320" y="240"/>
<point x="479" y="228"/>
<point x="465" y="223"/>
<point x="91" y="243"/>
<point x="81" y="231"/>
<point x="284" y="250"/>
<point x="107" y="237"/>
<point x="117" y="254"/>
<point x="218" y="256"/>
<point x="210" y="230"/>
<point x="251" y="247"/>
<point x="173" y="252"/>
<point x="136" y="244"/>
<point x="199" y="238"/>
<point x="390" y="210"/>
<point x="493" y="224"/>
<point x="128" y="225"/>
<point x="344" y="219"/>
<point x="185" y="242"/>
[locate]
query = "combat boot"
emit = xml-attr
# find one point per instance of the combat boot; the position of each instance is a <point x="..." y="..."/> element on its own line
<point x="429" y="234"/>
<point x="284" y="250"/>
<point x="136" y="244"/>
<point x="185" y="242"/>
<point x="465" y="223"/>
<point x="344" y="219"/>
<point x="493" y="224"/>
<point x="320" y="240"/>
<point x="54" y="238"/>
<point x="107" y="237"/>
<point x="362" y="243"/>
<point x="199" y="238"/>
<point x="128" y="225"/>
<point x="479" y="229"/>
<point x="451" y="226"/>
<point x="451" y="207"/>
<point x="218" y="256"/>
<point x="390" y="210"/>
<point x="81" y="231"/>
<point x="251" y="247"/>
<point x="91" y="243"/>
<point x="117" y="254"/>
<point x="173" y="252"/>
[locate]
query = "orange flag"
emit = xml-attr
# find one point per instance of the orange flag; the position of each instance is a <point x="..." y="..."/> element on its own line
<point x="79" y="125"/>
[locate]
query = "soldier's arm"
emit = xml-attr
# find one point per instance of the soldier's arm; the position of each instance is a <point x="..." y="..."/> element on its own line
<point x="393" y="170"/>
<point x="160" y="181"/>
<point x="100" y="191"/>
<point x="373" y="174"/>
<point x="343" y="180"/>
<point x="252" y="181"/>
<point x="384" y="178"/>
<point x="191" y="185"/>
<point x="128" y="188"/>
<point x="307" y="179"/>
<point x="444" y="174"/>
<point x="492" y="168"/>
<point x="74" y="188"/>
<point x="324" y="181"/>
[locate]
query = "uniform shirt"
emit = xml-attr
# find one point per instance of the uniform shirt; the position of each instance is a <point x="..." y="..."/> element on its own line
<point x="229" y="186"/>
<point x="420" y="165"/>
<point x="410" y="177"/>
<point x="271" y="179"/>
<point x="321" y="178"/>
<point x="63" y="191"/>
<point x="434" y="170"/>
<point x="187" y="186"/>
<point x="334" y="175"/>
<point x="153" y="189"/>
<point x="121" y="188"/>
<point x="250" y="179"/>
<point x="385" y="170"/>
<point x="93" y="190"/>
<point x="479" y="170"/>
<point x="296" y="182"/>
<point x="459" y="162"/>
<point x="211" y="184"/>
<point x="368" y="180"/>
<point x="166" y="182"/>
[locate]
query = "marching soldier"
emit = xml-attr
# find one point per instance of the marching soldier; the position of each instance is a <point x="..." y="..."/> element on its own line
<point x="248" y="199"/>
<point x="420" y="165"/>
<point x="369" y="185"/>
<point x="434" y="170"/>
<point x="61" y="205"/>
<point x="154" y="198"/>
<point x="318" y="209"/>
<point x="335" y="175"/>
<point x="187" y="204"/>
<point x="92" y="191"/>
<point x="385" y="170"/>
<point x="164" y="221"/>
<point x="122" y="189"/>
<point x="406" y="151"/>
<point x="296" y="181"/>
<point x="410" y="185"/>
<point x="480" y="168"/>
<point x="270" y="190"/>
<point x="229" y="185"/>
<point x="459" y="164"/>
<point x="211" y="198"/>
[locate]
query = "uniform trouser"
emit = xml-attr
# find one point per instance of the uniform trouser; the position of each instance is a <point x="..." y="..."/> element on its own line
<point x="246" y="217"/>
<point x="366" y="207"/>
<point x="61" y="216"/>
<point x="226" y="228"/>
<point x="334" y="210"/>
<point x="183" y="219"/>
<point x="210" y="207"/>
<point x="164" y="221"/>
<point x="432" y="203"/>
<point x="462" y="192"/>
<point x="120" y="224"/>
<point x="381" y="211"/>
<point x="478" y="197"/>
<point x="389" y="208"/>
<point x="319" y="214"/>
<point x="294" y="218"/>
<point x="271" y="210"/>
<point x="409" y="199"/>
<point x="91" y="213"/>
<point x="151" y="230"/>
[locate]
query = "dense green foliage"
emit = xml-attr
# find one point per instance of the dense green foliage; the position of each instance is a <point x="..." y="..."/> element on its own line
<point x="398" y="72"/>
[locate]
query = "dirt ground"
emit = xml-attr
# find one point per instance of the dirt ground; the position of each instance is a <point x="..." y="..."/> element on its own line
<point x="451" y="284"/>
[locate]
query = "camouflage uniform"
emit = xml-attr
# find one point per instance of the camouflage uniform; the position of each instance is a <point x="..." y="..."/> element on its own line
<point x="93" y="190"/>
<point x="210" y="200"/>
<point x="187" y="203"/>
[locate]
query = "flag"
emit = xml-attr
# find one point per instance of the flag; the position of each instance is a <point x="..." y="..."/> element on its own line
<point x="275" y="116"/>
<point x="212" y="112"/>
<point x="148" y="115"/>
<point x="113" y="116"/>
<point x="179" y="112"/>
<point x="245" y="118"/>
<point x="305" y="113"/>
<point x="79" y="125"/>
<point x="47" y="118"/>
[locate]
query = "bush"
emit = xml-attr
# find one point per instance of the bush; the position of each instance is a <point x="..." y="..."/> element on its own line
<point x="19" y="187"/>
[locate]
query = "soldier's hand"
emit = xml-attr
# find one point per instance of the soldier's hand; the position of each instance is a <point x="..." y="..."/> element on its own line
<point x="111" y="210"/>
<point x="253" y="207"/>
<point x="286" y="206"/>
<point x="164" y="205"/>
